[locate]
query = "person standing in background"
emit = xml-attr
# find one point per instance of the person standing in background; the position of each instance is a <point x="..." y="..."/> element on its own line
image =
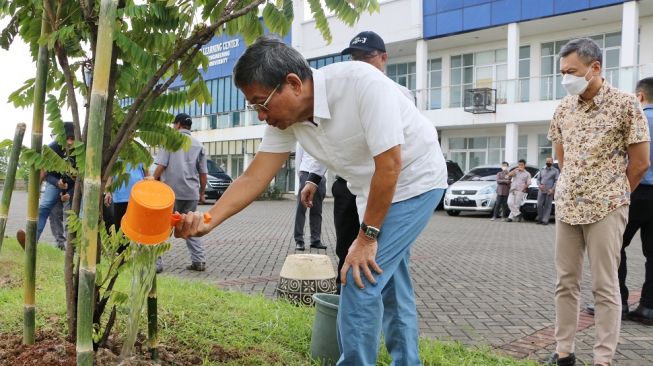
<point x="503" y="189"/>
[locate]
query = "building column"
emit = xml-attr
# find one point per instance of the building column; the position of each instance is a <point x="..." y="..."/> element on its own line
<point x="512" y="142"/>
<point x="513" y="62"/>
<point x="629" y="42"/>
<point x="296" y="27"/>
<point x="421" y="64"/>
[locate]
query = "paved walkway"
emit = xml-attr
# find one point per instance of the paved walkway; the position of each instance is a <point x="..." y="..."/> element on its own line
<point x="476" y="281"/>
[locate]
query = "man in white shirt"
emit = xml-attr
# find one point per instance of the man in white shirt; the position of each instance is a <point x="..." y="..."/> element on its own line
<point x="310" y="173"/>
<point x="353" y="119"/>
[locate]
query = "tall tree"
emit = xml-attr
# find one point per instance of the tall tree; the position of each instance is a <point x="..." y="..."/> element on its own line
<point x="11" y="168"/>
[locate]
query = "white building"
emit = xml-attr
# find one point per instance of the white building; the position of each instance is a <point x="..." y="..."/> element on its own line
<point x="441" y="49"/>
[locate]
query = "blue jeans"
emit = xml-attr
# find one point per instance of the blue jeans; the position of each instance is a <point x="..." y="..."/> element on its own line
<point x="48" y="200"/>
<point x="390" y="304"/>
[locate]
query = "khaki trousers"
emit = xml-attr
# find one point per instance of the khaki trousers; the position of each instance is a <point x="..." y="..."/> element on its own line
<point x="602" y="240"/>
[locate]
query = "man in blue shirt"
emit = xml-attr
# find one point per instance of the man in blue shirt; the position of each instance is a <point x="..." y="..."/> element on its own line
<point x="640" y="217"/>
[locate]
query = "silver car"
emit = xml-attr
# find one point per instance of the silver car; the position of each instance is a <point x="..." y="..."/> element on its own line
<point x="476" y="190"/>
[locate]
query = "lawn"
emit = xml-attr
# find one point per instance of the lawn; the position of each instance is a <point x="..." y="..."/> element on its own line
<point x="200" y="323"/>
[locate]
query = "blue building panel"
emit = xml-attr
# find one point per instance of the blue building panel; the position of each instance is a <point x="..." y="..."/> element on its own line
<point x="479" y="16"/>
<point x="475" y="2"/>
<point x="533" y="9"/>
<point x="445" y="17"/>
<point x="449" y="22"/>
<point x="505" y="11"/>
<point x="566" y="6"/>
<point x="429" y="7"/>
<point x="446" y="5"/>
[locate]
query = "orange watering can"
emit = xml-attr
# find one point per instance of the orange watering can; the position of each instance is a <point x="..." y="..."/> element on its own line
<point x="149" y="216"/>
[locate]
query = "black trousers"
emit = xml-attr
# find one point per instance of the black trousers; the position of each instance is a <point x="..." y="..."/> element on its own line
<point x="345" y="219"/>
<point x="501" y="204"/>
<point x="640" y="217"/>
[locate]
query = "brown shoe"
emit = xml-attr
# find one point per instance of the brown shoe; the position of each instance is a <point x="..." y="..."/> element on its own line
<point x="197" y="266"/>
<point x="20" y="236"/>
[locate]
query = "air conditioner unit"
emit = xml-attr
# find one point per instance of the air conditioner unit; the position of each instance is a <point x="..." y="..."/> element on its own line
<point x="481" y="100"/>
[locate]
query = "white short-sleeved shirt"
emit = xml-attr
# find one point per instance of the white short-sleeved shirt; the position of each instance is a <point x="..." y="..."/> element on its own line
<point x="360" y="113"/>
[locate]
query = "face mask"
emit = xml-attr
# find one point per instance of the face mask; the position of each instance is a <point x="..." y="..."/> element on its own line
<point x="575" y="85"/>
<point x="548" y="164"/>
<point x="504" y="168"/>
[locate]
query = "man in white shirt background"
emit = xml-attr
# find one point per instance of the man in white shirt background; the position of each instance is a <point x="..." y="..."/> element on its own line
<point x="311" y="172"/>
<point x="353" y="119"/>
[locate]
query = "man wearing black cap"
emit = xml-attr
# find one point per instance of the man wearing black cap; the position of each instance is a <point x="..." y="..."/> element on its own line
<point x="186" y="173"/>
<point x="366" y="47"/>
<point x="58" y="191"/>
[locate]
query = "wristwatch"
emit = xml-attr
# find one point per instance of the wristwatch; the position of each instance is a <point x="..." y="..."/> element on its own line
<point x="370" y="231"/>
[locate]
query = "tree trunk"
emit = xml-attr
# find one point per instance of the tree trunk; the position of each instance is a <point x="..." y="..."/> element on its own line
<point x="152" y="320"/>
<point x="92" y="182"/>
<point x="8" y="189"/>
<point x="29" y="308"/>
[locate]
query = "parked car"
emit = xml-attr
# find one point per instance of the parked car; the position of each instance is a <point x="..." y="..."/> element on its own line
<point x="218" y="181"/>
<point x="454" y="173"/>
<point x="528" y="208"/>
<point x="476" y="190"/>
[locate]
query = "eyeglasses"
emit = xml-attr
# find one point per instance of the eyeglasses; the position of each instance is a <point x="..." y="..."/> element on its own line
<point x="257" y="107"/>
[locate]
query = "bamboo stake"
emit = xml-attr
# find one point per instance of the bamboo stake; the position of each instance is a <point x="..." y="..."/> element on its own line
<point x="152" y="319"/>
<point x="29" y="308"/>
<point x="8" y="189"/>
<point x="92" y="182"/>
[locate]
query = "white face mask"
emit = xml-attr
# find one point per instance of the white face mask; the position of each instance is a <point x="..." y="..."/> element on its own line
<point x="576" y="85"/>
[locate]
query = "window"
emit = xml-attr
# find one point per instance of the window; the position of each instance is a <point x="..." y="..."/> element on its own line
<point x="403" y="74"/>
<point x="491" y="71"/>
<point x="435" y="83"/>
<point x="544" y="149"/>
<point x="470" y="152"/>
<point x="524" y="73"/>
<point x="550" y="87"/>
<point x="316" y="63"/>
<point x="462" y="77"/>
<point x="522" y="147"/>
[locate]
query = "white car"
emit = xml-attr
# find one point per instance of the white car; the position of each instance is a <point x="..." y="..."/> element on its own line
<point x="476" y="190"/>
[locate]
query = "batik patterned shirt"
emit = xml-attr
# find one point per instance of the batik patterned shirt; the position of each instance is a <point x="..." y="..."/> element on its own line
<point x="595" y="136"/>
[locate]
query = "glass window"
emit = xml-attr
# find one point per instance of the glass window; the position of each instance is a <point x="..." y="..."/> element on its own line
<point x="457" y="143"/>
<point x="501" y="55"/>
<point x="613" y="40"/>
<point x="484" y="58"/>
<point x="477" y="143"/>
<point x="435" y="83"/>
<point x="496" y="142"/>
<point x="404" y="74"/>
<point x="456" y="61"/>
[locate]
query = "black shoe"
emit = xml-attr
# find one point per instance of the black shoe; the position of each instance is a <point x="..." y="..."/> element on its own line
<point x="538" y="223"/>
<point x="318" y="246"/>
<point x="545" y="223"/>
<point x="555" y="360"/>
<point x="508" y="220"/>
<point x="20" y="236"/>
<point x="642" y="315"/>
<point x="300" y="246"/>
<point x="589" y="309"/>
<point x="159" y="268"/>
<point x="197" y="266"/>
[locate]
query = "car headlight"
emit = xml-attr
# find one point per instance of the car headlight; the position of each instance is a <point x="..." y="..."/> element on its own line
<point x="487" y="190"/>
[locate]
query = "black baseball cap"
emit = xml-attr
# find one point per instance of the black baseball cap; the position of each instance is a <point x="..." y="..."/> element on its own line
<point x="367" y="41"/>
<point x="70" y="129"/>
<point x="184" y="119"/>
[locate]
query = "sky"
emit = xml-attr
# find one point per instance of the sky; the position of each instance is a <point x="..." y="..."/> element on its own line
<point x="16" y="66"/>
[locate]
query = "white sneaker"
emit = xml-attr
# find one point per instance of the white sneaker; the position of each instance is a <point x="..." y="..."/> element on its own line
<point x="493" y="218"/>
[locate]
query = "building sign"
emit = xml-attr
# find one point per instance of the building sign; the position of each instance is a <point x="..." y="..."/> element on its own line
<point x="222" y="51"/>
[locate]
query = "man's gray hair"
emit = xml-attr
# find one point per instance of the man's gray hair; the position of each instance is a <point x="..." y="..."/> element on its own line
<point x="267" y="62"/>
<point x="586" y="49"/>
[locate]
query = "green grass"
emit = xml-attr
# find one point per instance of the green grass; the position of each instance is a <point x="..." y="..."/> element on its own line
<point x="196" y="317"/>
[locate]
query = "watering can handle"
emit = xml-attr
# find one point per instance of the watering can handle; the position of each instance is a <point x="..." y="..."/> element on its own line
<point x="174" y="220"/>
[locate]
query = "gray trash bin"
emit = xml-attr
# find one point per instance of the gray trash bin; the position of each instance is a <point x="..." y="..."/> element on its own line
<point x="324" y="341"/>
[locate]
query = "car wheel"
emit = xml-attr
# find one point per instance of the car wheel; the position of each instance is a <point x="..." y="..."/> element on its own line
<point x="453" y="212"/>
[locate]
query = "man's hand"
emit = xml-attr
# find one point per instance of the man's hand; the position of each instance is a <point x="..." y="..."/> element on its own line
<point x="542" y="187"/>
<point x="62" y="185"/>
<point x="361" y="256"/>
<point x="307" y="194"/>
<point x="65" y="197"/>
<point x="107" y="199"/>
<point x="550" y="192"/>
<point x="149" y="177"/>
<point x="192" y="224"/>
<point x="201" y="199"/>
